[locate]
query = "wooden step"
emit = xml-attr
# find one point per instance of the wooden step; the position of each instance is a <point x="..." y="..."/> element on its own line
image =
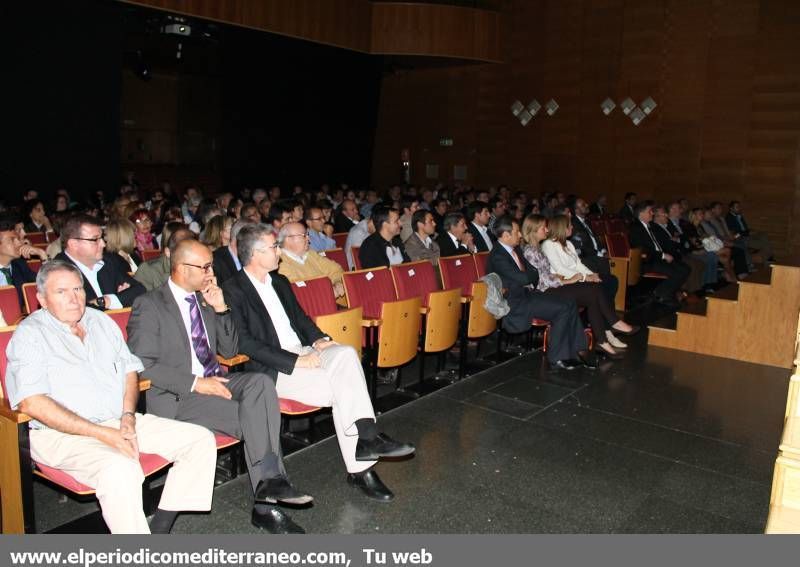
<point x="786" y="483"/>
<point x="783" y="520"/>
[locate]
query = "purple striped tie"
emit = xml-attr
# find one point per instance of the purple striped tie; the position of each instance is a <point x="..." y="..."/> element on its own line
<point x="200" y="341"/>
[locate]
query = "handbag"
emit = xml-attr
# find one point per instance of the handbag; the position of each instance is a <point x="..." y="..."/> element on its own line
<point x="712" y="244"/>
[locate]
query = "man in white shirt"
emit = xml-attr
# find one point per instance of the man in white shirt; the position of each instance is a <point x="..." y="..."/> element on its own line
<point x="479" y="215"/>
<point x="456" y="239"/>
<point x="311" y="368"/>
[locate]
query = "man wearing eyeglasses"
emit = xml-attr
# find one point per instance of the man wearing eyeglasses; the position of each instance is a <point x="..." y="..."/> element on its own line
<point x="317" y="239"/>
<point x="106" y="286"/>
<point x="177" y="330"/>
<point x="298" y="263"/>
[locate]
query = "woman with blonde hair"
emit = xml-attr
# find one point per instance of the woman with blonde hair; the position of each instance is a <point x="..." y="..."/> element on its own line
<point x="602" y="318"/>
<point x="564" y="259"/>
<point x="120" y="241"/>
<point x="218" y="232"/>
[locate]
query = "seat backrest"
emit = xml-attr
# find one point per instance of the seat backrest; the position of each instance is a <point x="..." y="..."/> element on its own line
<point x="340" y="238"/>
<point x="5" y="338"/>
<point x="481" y="259"/>
<point x="354" y="253"/>
<point x="315" y="296"/>
<point x="9" y="304"/>
<point x="150" y="254"/>
<point x="120" y="317"/>
<point x="369" y="289"/>
<point x="31" y="301"/>
<point x="344" y="327"/>
<point x="36" y="238"/>
<point x="34" y="265"/>
<point x="617" y="243"/>
<point x="398" y="336"/>
<point x="616" y="225"/>
<point x="458" y="272"/>
<point x="414" y="279"/>
<point x="338" y="256"/>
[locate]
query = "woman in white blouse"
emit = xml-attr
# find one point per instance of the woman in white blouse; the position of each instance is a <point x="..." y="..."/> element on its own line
<point x="564" y="259"/>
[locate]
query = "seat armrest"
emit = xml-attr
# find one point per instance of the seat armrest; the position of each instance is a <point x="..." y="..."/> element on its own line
<point x="234" y="360"/>
<point x="11" y="415"/>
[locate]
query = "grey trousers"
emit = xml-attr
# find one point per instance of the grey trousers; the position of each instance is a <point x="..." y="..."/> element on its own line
<point x="253" y="415"/>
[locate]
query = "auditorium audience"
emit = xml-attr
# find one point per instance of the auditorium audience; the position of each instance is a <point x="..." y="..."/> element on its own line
<point x="154" y="273"/>
<point x="694" y="234"/>
<point x="315" y="223"/>
<point x="176" y="331"/>
<point x="456" y="239"/>
<point x="567" y="345"/>
<point x="346" y="217"/>
<point x="383" y="247"/>
<point x="589" y="246"/>
<point x="300" y="263"/>
<point x="226" y="258"/>
<point x="421" y="244"/>
<point x="710" y="230"/>
<point x="84" y="414"/>
<point x="478" y="216"/>
<point x="698" y="269"/>
<point x="738" y="225"/>
<point x="106" y="286"/>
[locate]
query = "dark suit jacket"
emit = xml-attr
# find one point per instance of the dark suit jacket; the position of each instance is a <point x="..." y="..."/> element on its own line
<point x="342" y="223"/>
<point x="515" y="282"/>
<point x="257" y="336"/>
<point x="638" y="238"/>
<point x="157" y="335"/>
<point x="586" y="249"/>
<point x="665" y="240"/>
<point x="734" y="227"/>
<point x="595" y="209"/>
<point x="20" y="274"/>
<point x="110" y="277"/>
<point x="447" y="248"/>
<point x="373" y="251"/>
<point x="224" y="266"/>
<point x="627" y="214"/>
<point x="480" y="243"/>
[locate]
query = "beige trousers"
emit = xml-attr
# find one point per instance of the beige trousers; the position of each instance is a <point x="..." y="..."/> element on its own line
<point x="339" y="384"/>
<point x="117" y="479"/>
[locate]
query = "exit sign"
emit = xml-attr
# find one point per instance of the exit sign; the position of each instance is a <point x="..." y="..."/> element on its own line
<point x="445" y="141"/>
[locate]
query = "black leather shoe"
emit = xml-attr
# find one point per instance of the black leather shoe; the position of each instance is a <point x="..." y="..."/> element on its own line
<point x="602" y="353"/>
<point x="589" y="361"/>
<point x="634" y="329"/>
<point x="566" y="364"/>
<point x="279" y="489"/>
<point x="381" y="446"/>
<point x="371" y="485"/>
<point x="275" y="521"/>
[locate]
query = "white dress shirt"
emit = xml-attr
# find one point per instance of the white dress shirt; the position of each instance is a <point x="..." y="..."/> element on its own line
<point x="91" y="276"/>
<point x="484" y="232"/>
<point x="280" y="320"/>
<point x="564" y="260"/>
<point x="180" y="296"/>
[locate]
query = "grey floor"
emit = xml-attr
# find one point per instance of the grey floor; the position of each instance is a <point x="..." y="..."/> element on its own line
<point x="661" y="442"/>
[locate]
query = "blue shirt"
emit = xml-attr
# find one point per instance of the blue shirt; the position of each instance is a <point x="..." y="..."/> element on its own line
<point x="85" y="376"/>
<point x="318" y="241"/>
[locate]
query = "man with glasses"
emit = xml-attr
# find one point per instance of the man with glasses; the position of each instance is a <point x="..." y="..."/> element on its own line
<point x="298" y="263"/>
<point x="106" y="286"/>
<point x="311" y="368"/>
<point x="317" y="239"/>
<point x="177" y="331"/>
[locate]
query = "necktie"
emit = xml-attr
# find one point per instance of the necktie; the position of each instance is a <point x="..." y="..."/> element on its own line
<point x="516" y="259"/>
<point x="7" y="273"/>
<point x="653" y="238"/>
<point x="200" y="341"/>
<point x="591" y="234"/>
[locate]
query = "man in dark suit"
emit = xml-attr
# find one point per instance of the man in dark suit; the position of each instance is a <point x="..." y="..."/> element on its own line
<point x="599" y="207"/>
<point x="13" y="269"/>
<point x="383" y="247"/>
<point x="456" y="239"/>
<point x="566" y="338"/>
<point x="106" y="286"/>
<point x="479" y="215"/>
<point x="655" y="258"/>
<point x="177" y="331"/>
<point x="738" y="225"/>
<point x="312" y="369"/>
<point x="346" y="217"/>
<point x="628" y="210"/>
<point x="590" y="246"/>
<point x="226" y="260"/>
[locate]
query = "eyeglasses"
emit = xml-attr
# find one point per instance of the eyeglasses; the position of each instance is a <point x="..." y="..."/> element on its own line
<point x="92" y="240"/>
<point x="206" y="267"/>
<point x="303" y="235"/>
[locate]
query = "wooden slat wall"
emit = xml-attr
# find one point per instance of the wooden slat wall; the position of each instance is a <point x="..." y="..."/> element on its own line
<point x="725" y="76"/>
<point x="450" y="31"/>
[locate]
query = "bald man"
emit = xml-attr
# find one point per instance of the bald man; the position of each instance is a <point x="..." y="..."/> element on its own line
<point x="176" y="331"/>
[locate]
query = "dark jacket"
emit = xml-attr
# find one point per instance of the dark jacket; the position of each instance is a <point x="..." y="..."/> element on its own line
<point x="586" y="248"/>
<point x="638" y="238"/>
<point x="342" y="223"/>
<point x="224" y="266"/>
<point x="447" y="248"/>
<point x="735" y="227"/>
<point x="373" y="251"/>
<point x="477" y="239"/>
<point x="665" y="240"/>
<point x="626" y="213"/>
<point x="519" y="286"/>
<point x="257" y="336"/>
<point x="20" y="274"/>
<point x="110" y="277"/>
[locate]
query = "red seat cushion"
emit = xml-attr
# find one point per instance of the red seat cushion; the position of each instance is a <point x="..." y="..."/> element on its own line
<point x="295" y="407"/>
<point x="224" y="440"/>
<point x="150" y="463"/>
<point x="654" y="275"/>
<point x="540" y="323"/>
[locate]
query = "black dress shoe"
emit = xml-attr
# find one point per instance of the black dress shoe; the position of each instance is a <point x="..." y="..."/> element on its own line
<point x="279" y="489"/>
<point x="566" y="364"/>
<point x="381" y="446"/>
<point x="589" y="361"/>
<point x="275" y="521"/>
<point x="371" y="485"/>
<point x="634" y="329"/>
<point x="602" y="353"/>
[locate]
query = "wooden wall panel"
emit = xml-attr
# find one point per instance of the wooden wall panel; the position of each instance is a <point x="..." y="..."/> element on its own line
<point x="725" y="76"/>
